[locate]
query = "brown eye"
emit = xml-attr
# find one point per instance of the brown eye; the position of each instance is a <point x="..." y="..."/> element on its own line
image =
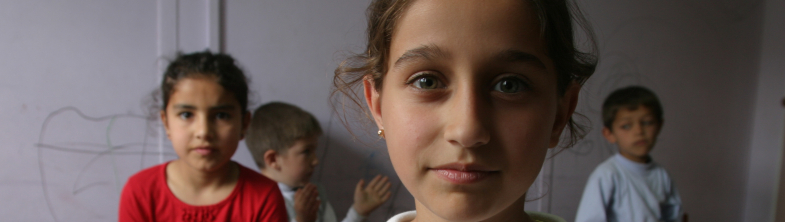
<point x="185" y="115"/>
<point x="427" y="82"/>
<point x="222" y="115"/>
<point x="509" y="85"/>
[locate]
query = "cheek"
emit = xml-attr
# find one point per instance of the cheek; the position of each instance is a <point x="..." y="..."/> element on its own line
<point x="177" y="133"/>
<point x="409" y="130"/>
<point x="524" y="136"/>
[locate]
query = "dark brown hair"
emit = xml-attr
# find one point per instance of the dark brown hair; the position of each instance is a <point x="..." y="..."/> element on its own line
<point x="277" y="126"/>
<point x="631" y="98"/>
<point x="206" y="64"/>
<point x="555" y="18"/>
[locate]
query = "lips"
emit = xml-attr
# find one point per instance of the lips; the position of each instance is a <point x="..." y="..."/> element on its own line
<point x="457" y="173"/>
<point x="203" y="150"/>
<point x="640" y="143"/>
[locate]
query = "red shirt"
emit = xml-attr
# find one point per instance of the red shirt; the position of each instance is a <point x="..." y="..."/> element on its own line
<point x="146" y="197"/>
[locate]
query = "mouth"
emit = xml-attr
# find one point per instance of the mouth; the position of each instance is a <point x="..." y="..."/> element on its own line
<point x="204" y="150"/>
<point x="640" y="143"/>
<point x="458" y="173"/>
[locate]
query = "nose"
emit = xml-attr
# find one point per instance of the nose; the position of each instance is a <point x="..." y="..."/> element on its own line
<point x="638" y="129"/>
<point x="204" y="128"/>
<point x="315" y="161"/>
<point x="467" y="119"/>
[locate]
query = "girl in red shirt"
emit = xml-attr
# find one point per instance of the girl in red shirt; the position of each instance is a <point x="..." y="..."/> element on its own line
<point x="205" y="98"/>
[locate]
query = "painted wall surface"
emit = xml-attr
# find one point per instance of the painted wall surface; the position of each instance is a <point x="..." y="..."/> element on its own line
<point x="769" y="123"/>
<point x="74" y="76"/>
<point x="78" y="77"/>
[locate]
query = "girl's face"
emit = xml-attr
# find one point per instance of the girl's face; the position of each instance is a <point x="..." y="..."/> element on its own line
<point x="469" y="106"/>
<point x="204" y="122"/>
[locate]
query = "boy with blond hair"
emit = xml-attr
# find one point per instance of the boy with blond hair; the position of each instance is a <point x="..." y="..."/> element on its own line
<point x="282" y="139"/>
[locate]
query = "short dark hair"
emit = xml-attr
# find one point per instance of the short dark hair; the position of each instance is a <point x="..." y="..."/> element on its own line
<point x="630" y="97"/>
<point x="206" y="64"/>
<point x="277" y="126"/>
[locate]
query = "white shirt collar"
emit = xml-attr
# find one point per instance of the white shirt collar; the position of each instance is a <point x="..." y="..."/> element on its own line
<point x="640" y="168"/>
<point x="287" y="191"/>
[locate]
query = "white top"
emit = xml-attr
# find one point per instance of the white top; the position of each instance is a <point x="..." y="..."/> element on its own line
<point x="624" y="190"/>
<point x="536" y="216"/>
<point x="326" y="212"/>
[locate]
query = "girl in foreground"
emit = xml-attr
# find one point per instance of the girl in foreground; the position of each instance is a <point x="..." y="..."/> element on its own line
<point x="205" y="100"/>
<point x="469" y="96"/>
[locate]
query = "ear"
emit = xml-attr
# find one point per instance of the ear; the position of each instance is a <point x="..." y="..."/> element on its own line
<point x="564" y="111"/>
<point x="608" y="135"/>
<point x="246" y="123"/>
<point x="373" y="99"/>
<point x="271" y="160"/>
<point x="165" y="123"/>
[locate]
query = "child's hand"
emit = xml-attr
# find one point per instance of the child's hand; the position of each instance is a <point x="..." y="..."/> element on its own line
<point x="306" y="203"/>
<point x="367" y="199"/>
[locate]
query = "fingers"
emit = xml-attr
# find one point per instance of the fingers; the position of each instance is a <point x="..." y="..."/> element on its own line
<point x="381" y="185"/>
<point x="386" y="196"/>
<point x="306" y="195"/>
<point x="360" y="185"/>
<point x="314" y="207"/>
<point x="306" y="203"/>
<point x="374" y="182"/>
<point x="385" y="186"/>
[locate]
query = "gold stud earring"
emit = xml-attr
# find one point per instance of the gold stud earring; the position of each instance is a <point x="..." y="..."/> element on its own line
<point x="380" y="133"/>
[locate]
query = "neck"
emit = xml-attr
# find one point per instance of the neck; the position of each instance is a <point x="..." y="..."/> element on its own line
<point x="275" y="176"/>
<point x="638" y="159"/>
<point x="514" y="212"/>
<point x="180" y="173"/>
<point x="267" y="172"/>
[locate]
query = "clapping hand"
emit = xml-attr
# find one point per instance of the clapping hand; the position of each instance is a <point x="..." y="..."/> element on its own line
<point x="306" y="203"/>
<point x="368" y="198"/>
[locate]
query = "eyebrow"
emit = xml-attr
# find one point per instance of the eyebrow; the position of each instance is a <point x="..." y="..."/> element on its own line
<point x="427" y="52"/>
<point x="517" y="56"/>
<point x="430" y="52"/>
<point x="219" y="107"/>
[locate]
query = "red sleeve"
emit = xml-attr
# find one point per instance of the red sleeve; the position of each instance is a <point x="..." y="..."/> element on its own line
<point x="274" y="208"/>
<point x="263" y="197"/>
<point x="133" y="204"/>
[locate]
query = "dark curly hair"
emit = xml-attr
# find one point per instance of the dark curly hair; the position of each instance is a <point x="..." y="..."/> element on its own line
<point x="221" y="66"/>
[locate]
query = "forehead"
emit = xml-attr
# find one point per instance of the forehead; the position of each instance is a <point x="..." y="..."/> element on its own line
<point x="201" y="90"/>
<point x="635" y="112"/>
<point x="482" y="26"/>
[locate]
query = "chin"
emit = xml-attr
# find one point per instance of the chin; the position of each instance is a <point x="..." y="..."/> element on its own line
<point x="462" y="207"/>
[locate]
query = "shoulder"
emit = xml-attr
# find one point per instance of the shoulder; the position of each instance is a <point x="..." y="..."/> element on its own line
<point x="260" y="196"/>
<point x="253" y="181"/>
<point x="606" y="170"/>
<point x="662" y="173"/>
<point x="544" y="217"/>
<point x="403" y="217"/>
<point x="146" y="179"/>
<point x="142" y="192"/>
